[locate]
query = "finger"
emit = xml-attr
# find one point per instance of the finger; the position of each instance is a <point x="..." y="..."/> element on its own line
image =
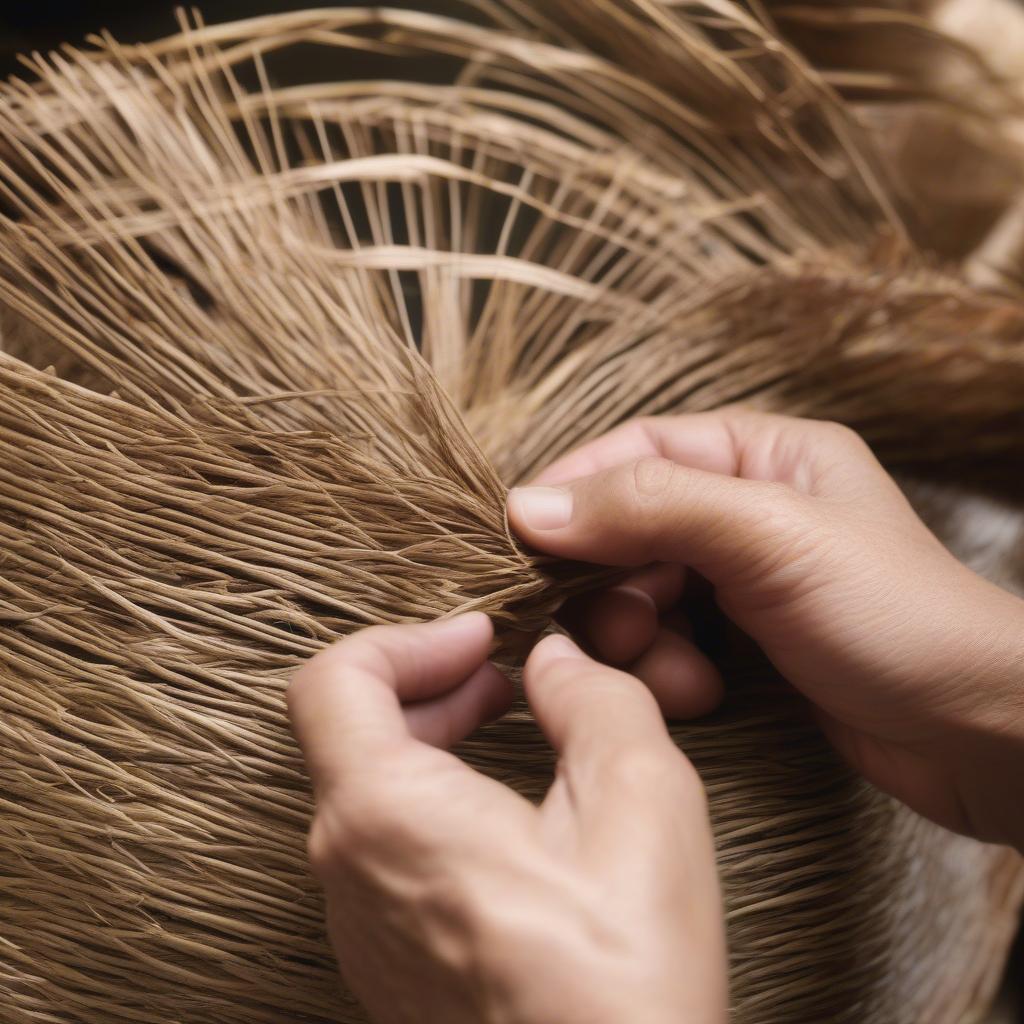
<point x="620" y="623"/>
<point x="713" y="441"/>
<point x="584" y="706"/>
<point x="346" y="703"/>
<point x="617" y="625"/>
<point x="654" y="510"/>
<point x="617" y="762"/>
<point x="682" y="679"/>
<point x="733" y="442"/>
<point x="444" y="721"/>
<point x="678" y="620"/>
<point x="615" y="754"/>
<point x="664" y="583"/>
<point x="418" y="662"/>
<point x="634" y="440"/>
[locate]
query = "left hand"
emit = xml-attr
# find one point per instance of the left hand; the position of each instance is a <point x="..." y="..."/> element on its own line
<point x="452" y="899"/>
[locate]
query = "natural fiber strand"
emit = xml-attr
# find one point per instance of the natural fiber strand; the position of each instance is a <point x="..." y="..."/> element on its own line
<point x="272" y="354"/>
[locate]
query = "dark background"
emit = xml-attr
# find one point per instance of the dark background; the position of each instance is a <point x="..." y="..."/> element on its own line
<point x="45" y="24"/>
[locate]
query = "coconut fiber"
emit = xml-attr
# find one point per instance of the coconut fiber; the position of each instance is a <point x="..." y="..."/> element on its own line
<point x="286" y="304"/>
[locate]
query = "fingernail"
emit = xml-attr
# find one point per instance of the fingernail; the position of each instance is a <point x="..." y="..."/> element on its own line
<point x="541" y="508"/>
<point x="557" y="646"/>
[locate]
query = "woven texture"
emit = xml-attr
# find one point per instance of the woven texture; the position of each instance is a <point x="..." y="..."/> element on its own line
<point x="270" y="355"/>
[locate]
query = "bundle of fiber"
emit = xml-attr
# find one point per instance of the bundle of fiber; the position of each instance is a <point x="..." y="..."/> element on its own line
<point x="940" y="83"/>
<point x="270" y="355"/>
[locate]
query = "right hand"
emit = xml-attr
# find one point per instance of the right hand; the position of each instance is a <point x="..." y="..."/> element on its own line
<point x="914" y="663"/>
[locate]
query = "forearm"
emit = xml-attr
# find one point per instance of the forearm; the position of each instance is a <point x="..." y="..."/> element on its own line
<point x="993" y="738"/>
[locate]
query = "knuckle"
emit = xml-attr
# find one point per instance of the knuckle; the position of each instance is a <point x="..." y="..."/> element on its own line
<point x="780" y="509"/>
<point x="645" y="429"/>
<point x="680" y="781"/>
<point x="840" y="436"/>
<point x="652" y="478"/>
<point x="359" y="807"/>
<point x="578" y="691"/>
<point x="454" y="901"/>
<point x="667" y="780"/>
<point x="353" y="825"/>
<point x="360" y="654"/>
<point x="325" y="846"/>
<point x="298" y="692"/>
<point x="309" y="676"/>
<point x="293" y="694"/>
<point x="789" y="536"/>
<point x="690" y="784"/>
<point x="651" y="769"/>
<point x="789" y="518"/>
<point x="368" y="640"/>
<point x="365" y="648"/>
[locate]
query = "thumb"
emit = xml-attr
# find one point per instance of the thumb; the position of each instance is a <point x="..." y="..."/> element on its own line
<point x="654" y="510"/>
<point x="590" y="712"/>
<point x="616" y="757"/>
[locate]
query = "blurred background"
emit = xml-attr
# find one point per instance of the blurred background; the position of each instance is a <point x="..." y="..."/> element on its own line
<point x="45" y="24"/>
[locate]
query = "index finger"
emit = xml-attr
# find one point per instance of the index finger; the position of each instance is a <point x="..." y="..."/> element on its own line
<point x="734" y="441"/>
<point x="345" y="704"/>
<point x="617" y="761"/>
<point x="704" y="441"/>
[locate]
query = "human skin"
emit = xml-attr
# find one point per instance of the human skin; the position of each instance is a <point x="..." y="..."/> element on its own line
<point x="913" y="663"/>
<point x="451" y="899"/>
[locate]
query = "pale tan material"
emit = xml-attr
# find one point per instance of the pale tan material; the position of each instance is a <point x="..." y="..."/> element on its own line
<point x="271" y="356"/>
<point x="940" y="85"/>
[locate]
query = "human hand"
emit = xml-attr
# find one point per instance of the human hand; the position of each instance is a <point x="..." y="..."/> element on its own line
<point x="915" y="664"/>
<point x="453" y="899"/>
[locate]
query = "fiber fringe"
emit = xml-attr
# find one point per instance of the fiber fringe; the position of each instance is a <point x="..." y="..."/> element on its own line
<point x="269" y="356"/>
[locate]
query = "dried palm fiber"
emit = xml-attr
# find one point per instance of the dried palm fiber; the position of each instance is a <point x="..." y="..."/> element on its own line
<point x="941" y="83"/>
<point x="301" y="336"/>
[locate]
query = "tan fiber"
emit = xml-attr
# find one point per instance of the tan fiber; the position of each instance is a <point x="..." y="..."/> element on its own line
<point x="940" y="85"/>
<point x="285" y="306"/>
